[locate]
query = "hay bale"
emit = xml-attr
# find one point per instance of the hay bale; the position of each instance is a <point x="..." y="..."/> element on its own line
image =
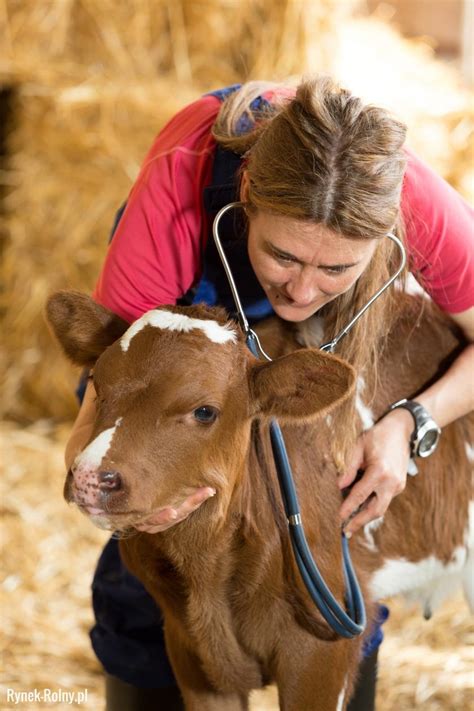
<point x="428" y="94"/>
<point x="64" y="150"/>
<point x="203" y="42"/>
<point x="95" y="81"/>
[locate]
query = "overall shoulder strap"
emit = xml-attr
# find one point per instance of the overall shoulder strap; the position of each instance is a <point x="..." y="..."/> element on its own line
<point x="213" y="287"/>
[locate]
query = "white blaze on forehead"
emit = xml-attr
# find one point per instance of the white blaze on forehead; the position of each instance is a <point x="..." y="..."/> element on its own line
<point x="160" y="318"/>
<point x="96" y="450"/>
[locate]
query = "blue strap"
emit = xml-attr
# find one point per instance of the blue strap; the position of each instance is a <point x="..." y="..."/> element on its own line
<point x="346" y="624"/>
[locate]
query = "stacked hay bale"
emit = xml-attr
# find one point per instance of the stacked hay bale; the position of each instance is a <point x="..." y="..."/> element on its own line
<point x="94" y="81"/>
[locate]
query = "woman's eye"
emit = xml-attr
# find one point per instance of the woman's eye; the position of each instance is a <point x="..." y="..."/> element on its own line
<point x="335" y="270"/>
<point x="283" y="258"/>
<point x="206" y="414"/>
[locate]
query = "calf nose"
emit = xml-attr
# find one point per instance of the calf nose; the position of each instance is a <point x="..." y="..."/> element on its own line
<point x="110" y="481"/>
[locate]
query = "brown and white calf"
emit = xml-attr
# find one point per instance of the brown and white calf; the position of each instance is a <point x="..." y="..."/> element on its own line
<point x="181" y="405"/>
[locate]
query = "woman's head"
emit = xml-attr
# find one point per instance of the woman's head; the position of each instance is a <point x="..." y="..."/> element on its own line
<point x="321" y="179"/>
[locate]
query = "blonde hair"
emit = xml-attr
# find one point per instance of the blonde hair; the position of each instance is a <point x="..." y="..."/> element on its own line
<point x="321" y="155"/>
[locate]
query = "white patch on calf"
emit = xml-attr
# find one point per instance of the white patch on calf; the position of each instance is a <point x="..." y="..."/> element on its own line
<point x="364" y="412"/>
<point x="469" y="451"/>
<point x="96" y="450"/>
<point x="341" y="697"/>
<point x="369" y="530"/>
<point x="468" y="576"/>
<point x="161" y="318"/>
<point x="428" y="581"/>
<point x="102" y="522"/>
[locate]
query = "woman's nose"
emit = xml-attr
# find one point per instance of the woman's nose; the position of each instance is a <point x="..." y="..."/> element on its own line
<point x="302" y="289"/>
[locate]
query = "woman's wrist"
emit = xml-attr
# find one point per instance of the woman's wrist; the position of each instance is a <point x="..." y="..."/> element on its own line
<point x="401" y="419"/>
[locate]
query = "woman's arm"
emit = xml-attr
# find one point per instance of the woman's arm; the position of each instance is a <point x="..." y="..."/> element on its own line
<point x="441" y="249"/>
<point x="384" y="451"/>
<point x="156" y="248"/>
<point x="452" y="396"/>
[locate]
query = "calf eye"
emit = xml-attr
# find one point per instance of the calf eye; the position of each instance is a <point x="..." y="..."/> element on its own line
<point x="206" y="414"/>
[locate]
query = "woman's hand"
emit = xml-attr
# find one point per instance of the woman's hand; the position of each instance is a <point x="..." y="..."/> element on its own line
<point x="169" y="516"/>
<point x="383" y="452"/>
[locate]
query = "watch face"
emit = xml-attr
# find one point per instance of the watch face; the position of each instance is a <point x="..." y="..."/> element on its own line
<point x="428" y="443"/>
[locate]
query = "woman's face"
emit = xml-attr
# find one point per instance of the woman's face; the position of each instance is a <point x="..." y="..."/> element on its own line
<point x="300" y="265"/>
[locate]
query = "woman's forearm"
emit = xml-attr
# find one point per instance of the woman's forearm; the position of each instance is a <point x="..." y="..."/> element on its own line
<point x="383" y="451"/>
<point x="82" y="428"/>
<point x="452" y="396"/>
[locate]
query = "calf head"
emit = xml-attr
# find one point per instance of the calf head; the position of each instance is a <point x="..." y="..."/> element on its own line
<point x="176" y="394"/>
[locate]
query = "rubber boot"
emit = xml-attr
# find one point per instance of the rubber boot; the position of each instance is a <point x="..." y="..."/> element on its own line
<point x="363" y="698"/>
<point x="121" y="696"/>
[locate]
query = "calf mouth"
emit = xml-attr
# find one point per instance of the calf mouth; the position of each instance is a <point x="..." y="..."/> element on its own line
<point x="117" y="521"/>
<point x="121" y="522"/>
<point x="108" y="510"/>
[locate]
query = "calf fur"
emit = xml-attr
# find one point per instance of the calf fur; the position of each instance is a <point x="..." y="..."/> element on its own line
<point x="182" y="405"/>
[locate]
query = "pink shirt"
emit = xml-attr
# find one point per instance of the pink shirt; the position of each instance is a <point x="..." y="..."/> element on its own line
<point x="156" y="254"/>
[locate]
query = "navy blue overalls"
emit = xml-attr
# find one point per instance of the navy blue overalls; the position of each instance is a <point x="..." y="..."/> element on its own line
<point x="128" y="634"/>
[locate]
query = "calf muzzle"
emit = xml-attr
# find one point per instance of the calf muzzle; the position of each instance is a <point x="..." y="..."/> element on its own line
<point x="97" y="489"/>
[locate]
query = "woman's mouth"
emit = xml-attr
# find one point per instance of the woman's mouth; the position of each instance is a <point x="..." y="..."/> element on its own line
<point x="286" y="300"/>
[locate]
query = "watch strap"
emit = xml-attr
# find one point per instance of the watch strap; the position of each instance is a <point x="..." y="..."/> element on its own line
<point x="417" y="411"/>
<point x="420" y="417"/>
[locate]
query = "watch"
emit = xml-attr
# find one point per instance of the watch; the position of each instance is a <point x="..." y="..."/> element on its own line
<point x="425" y="436"/>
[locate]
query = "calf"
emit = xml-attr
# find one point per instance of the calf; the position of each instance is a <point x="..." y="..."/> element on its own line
<point x="182" y="405"/>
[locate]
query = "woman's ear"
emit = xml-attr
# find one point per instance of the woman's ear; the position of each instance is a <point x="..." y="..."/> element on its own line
<point x="244" y="186"/>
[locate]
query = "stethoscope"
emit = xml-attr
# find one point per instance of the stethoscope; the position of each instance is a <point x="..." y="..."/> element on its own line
<point x="352" y="622"/>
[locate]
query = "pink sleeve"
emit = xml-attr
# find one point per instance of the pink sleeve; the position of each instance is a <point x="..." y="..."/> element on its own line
<point x="440" y="236"/>
<point x="156" y="253"/>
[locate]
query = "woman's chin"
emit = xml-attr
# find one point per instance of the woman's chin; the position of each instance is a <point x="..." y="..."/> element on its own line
<point x="293" y="313"/>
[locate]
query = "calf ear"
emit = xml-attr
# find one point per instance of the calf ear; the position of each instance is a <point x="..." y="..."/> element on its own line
<point x="300" y="385"/>
<point x="83" y="328"/>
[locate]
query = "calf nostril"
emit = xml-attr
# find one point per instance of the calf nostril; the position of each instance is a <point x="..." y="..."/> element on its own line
<point x="110" y="481"/>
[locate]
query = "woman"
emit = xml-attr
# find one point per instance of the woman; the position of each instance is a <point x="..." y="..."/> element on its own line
<point x="324" y="179"/>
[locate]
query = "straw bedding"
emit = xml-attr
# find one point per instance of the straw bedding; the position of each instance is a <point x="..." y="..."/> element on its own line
<point x="49" y="553"/>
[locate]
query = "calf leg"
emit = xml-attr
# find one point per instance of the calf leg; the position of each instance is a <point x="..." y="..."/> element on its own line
<point x="316" y="675"/>
<point x="196" y="690"/>
<point x="214" y="702"/>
